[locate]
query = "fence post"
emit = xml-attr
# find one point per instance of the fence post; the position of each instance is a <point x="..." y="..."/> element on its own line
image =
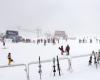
<point x="27" y="71"/>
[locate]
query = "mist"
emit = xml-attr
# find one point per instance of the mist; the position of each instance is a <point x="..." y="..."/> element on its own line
<point x="76" y="17"/>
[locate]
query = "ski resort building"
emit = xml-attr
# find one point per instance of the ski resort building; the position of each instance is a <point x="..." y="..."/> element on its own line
<point x="14" y="35"/>
<point x="60" y="34"/>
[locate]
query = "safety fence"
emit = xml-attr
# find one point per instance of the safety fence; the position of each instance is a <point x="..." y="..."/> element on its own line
<point x="27" y="66"/>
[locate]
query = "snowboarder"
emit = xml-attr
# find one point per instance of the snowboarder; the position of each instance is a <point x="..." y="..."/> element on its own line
<point x="61" y="49"/>
<point x="9" y="59"/>
<point x="67" y="49"/>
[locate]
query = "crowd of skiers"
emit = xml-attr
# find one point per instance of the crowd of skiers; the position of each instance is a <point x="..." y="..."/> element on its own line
<point x="49" y="40"/>
<point x="90" y="40"/>
<point x="85" y="40"/>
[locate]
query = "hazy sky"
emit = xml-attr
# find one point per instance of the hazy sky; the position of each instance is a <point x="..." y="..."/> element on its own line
<point x="74" y="16"/>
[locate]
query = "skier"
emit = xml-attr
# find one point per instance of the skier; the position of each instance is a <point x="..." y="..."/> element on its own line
<point x="61" y="49"/>
<point x="90" y="61"/>
<point x="95" y="59"/>
<point x="58" y="41"/>
<point x="53" y="41"/>
<point x="4" y="44"/>
<point x="83" y="40"/>
<point x="90" y="40"/>
<point x="9" y="59"/>
<point x="41" y="40"/>
<point x="98" y="56"/>
<point x="45" y="42"/>
<point x="3" y="41"/>
<point x="67" y="49"/>
<point x="48" y="40"/>
<point x="80" y="40"/>
<point x="93" y="53"/>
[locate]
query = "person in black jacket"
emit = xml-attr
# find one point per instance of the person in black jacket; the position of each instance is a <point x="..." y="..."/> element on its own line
<point x="90" y="60"/>
<point x="61" y="49"/>
<point x="67" y="49"/>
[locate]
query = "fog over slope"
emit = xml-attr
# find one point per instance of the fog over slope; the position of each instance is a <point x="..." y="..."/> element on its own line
<point x="76" y="17"/>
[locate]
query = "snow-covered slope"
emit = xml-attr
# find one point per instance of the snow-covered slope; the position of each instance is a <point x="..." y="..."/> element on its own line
<point x="24" y="53"/>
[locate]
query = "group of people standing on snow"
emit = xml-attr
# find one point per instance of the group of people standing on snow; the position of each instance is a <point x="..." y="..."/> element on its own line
<point x="96" y="56"/>
<point x="67" y="49"/>
<point x="85" y="40"/>
<point x="49" y="40"/>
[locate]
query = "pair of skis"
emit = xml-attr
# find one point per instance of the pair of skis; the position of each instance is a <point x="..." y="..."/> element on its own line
<point x="54" y="67"/>
<point x="40" y="70"/>
<point x="58" y="66"/>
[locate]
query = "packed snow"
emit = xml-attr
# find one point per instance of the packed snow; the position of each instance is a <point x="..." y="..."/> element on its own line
<point x="24" y="53"/>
